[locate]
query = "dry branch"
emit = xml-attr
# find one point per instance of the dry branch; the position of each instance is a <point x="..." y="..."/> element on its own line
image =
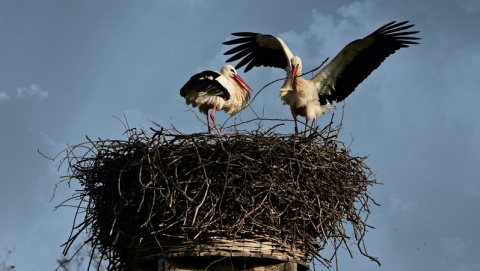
<point x="166" y="192"/>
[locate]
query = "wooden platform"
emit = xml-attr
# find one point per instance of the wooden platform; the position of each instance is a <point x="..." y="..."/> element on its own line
<point x="229" y="255"/>
<point x="217" y="264"/>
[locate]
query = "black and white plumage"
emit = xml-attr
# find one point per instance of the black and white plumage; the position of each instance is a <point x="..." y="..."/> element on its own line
<point x="336" y="81"/>
<point x="224" y="90"/>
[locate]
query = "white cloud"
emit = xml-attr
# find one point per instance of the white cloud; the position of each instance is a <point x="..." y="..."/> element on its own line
<point x="33" y="91"/>
<point x="455" y="247"/>
<point x="470" y="6"/>
<point x="4" y="96"/>
<point x="400" y="204"/>
<point x="56" y="146"/>
<point x="355" y="9"/>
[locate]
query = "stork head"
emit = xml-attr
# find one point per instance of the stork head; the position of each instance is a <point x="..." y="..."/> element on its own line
<point x="296" y="63"/>
<point x="230" y="71"/>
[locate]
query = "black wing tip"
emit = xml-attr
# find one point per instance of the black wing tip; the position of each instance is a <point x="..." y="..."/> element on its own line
<point x="183" y="91"/>
<point x="246" y="68"/>
<point x="245" y="34"/>
<point x="393" y="26"/>
<point x="239" y="49"/>
<point x="230" y="42"/>
<point x="244" y="37"/>
<point x="232" y="58"/>
<point x="396" y="31"/>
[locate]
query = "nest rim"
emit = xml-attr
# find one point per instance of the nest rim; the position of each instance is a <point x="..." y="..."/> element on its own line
<point x="80" y="164"/>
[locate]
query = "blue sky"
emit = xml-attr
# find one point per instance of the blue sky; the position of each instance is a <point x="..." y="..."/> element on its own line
<point x="68" y="67"/>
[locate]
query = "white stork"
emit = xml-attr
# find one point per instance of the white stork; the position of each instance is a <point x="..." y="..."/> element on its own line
<point x="224" y="90"/>
<point x="338" y="79"/>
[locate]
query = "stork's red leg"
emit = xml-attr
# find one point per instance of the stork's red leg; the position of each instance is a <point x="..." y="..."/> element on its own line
<point x="208" y="124"/>
<point x="212" y="115"/>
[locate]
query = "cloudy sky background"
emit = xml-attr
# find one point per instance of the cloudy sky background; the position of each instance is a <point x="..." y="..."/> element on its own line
<point x="67" y="67"/>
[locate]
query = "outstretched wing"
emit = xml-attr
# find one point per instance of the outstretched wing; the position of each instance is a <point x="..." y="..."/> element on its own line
<point x="360" y="58"/>
<point x="206" y="82"/>
<point x="255" y="50"/>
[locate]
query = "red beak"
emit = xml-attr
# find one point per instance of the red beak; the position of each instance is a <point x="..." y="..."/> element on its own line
<point x="243" y="83"/>
<point x="294" y="73"/>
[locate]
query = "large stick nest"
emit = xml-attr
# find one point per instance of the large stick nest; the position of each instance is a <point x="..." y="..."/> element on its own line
<point x="164" y="191"/>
